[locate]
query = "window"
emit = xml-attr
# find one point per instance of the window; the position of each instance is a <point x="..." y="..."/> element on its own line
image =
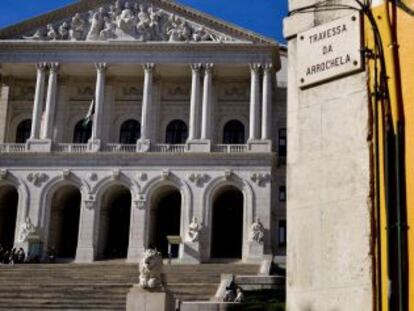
<point x="282" y="232"/>
<point x="82" y="132"/>
<point x="177" y="132"/>
<point x="282" y="142"/>
<point x="130" y="132"/>
<point x="233" y="132"/>
<point x="282" y="193"/>
<point x="23" y="131"/>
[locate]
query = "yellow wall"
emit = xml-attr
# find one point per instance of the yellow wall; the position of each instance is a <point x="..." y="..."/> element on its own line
<point x="405" y="23"/>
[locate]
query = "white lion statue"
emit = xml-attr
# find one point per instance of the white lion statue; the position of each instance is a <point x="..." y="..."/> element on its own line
<point x="150" y="269"/>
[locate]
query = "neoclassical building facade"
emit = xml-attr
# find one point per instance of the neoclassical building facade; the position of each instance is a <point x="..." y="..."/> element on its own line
<point x="122" y="123"/>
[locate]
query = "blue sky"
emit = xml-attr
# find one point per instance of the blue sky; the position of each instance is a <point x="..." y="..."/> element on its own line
<point x="261" y="16"/>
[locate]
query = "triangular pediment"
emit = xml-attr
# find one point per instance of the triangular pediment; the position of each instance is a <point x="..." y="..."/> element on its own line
<point x="132" y="20"/>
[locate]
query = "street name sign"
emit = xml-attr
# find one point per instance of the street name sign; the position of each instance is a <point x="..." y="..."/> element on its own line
<point x="330" y="51"/>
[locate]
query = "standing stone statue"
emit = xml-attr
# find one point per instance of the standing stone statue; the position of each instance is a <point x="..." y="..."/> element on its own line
<point x="150" y="270"/>
<point x="77" y="27"/>
<point x="194" y="230"/>
<point x="26" y="230"/>
<point x="257" y="231"/>
<point x="97" y="25"/>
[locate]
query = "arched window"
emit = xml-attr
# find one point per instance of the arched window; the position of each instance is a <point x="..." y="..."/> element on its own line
<point x="82" y="132"/>
<point x="23" y="131"/>
<point x="130" y="132"/>
<point x="233" y="132"/>
<point x="177" y="132"/>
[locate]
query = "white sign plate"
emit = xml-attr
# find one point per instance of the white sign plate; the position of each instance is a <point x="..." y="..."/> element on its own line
<point x="330" y="50"/>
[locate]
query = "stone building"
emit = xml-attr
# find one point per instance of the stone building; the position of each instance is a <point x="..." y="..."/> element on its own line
<point x="122" y="123"/>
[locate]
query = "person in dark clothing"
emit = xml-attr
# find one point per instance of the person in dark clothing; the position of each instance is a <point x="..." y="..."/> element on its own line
<point x="21" y="255"/>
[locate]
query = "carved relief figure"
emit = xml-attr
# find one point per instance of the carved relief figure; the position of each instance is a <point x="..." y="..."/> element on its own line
<point x="77" y="27"/>
<point x="257" y="231"/>
<point x="126" y="21"/>
<point x="151" y="269"/>
<point x="109" y="31"/>
<point x="194" y="230"/>
<point x="51" y="32"/>
<point x="64" y="31"/>
<point x="97" y="25"/>
<point x="26" y="230"/>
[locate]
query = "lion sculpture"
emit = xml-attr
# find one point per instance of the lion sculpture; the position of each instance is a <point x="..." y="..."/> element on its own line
<point x="151" y="269"/>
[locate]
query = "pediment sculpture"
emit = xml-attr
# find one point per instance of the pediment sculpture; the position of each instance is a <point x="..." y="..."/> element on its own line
<point x="126" y="22"/>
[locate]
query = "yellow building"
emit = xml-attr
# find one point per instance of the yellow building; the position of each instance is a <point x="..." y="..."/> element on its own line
<point x="392" y="80"/>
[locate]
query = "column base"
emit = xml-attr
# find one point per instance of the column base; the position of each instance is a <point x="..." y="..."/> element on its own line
<point x="94" y="145"/>
<point x="255" y="253"/>
<point x="143" y="145"/>
<point x="190" y="253"/>
<point x="85" y="255"/>
<point x="135" y="254"/>
<point x="199" y="145"/>
<point x="257" y="145"/>
<point x="39" y="145"/>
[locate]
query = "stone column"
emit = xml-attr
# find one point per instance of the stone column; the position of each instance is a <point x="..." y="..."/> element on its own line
<point x="254" y="126"/>
<point x="50" y="101"/>
<point x="136" y="245"/>
<point x="95" y="141"/>
<point x="195" y="102"/>
<point x="207" y="99"/>
<point x="38" y="101"/>
<point x="85" y="251"/>
<point x="267" y="102"/>
<point x="144" y="143"/>
<point x="4" y="108"/>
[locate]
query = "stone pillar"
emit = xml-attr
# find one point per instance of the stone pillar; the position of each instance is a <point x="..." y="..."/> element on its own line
<point x="207" y="99"/>
<point x="4" y="108"/>
<point x="50" y="101"/>
<point x="254" y="124"/>
<point x="38" y="101"/>
<point x="95" y="141"/>
<point x="267" y="102"/>
<point x="144" y="143"/>
<point x="85" y="252"/>
<point x="195" y="102"/>
<point x="136" y="245"/>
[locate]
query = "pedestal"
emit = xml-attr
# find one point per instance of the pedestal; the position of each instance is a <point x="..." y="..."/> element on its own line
<point x="191" y="253"/>
<point x="39" y="145"/>
<point x="32" y="246"/>
<point x="199" y="145"/>
<point x="85" y="255"/>
<point x="259" y="145"/>
<point x="143" y="145"/>
<point x="139" y="299"/>
<point x="256" y="252"/>
<point x="94" y="145"/>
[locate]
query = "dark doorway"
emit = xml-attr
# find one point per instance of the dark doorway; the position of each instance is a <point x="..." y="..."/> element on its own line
<point x="176" y="133"/>
<point x="233" y="133"/>
<point x="23" y="131"/>
<point x="227" y="234"/>
<point x="130" y="132"/>
<point x="82" y="132"/>
<point x="64" y="227"/>
<point x="166" y="220"/>
<point x="117" y="214"/>
<point x="8" y="213"/>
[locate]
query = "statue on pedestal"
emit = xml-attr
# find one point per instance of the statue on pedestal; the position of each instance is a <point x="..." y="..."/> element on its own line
<point x="194" y="230"/>
<point x="150" y="270"/>
<point x="257" y="231"/>
<point x="26" y="230"/>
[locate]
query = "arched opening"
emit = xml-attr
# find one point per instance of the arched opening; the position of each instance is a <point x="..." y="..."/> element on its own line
<point x="177" y="132"/>
<point x="64" y="221"/>
<point x="114" y="223"/>
<point x="23" y="131"/>
<point x="165" y="219"/>
<point x="227" y="225"/>
<point x="82" y="132"/>
<point x="130" y="132"/>
<point x="233" y="133"/>
<point x="8" y="213"/>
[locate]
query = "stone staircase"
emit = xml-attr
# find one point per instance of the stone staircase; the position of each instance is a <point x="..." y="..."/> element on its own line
<point x="100" y="286"/>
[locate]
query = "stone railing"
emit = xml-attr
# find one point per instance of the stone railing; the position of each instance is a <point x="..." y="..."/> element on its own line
<point x="167" y="148"/>
<point x="230" y="148"/>
<point x="70" y="148"/>
<point x="119" y="148"/>
<point x="12" y="147"/>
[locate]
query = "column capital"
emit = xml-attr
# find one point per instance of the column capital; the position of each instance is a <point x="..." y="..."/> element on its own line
<point x="101" y="67"/>
<point x="196" y="67"/>
<point x="54" y="67"/>
<point x="41" y="66"/>
<point x="267" y="67"/>
<point x="255" y="67"/>
<point x="149" y="67"/>
<point x="208" y="68"/>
